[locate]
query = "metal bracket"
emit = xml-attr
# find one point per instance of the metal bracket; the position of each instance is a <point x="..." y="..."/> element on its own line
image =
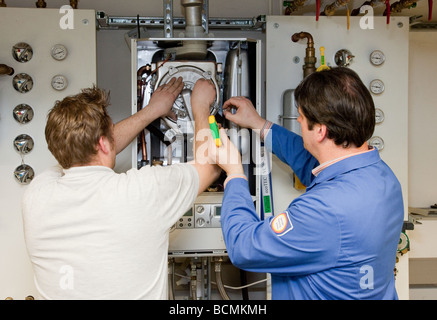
<point x="168" y="18"/>
<point x="106" y="22"/>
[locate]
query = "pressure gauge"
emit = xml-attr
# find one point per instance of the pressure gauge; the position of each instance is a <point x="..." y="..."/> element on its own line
<point x="22" y="82"/>
<point x="404" y="243"/>
<point x="22" y="52"/>
<point x="377" y="86"/>
<point x="377" y="58"/>
<point x="59" y="82"/>
<point x="379" y="116"/>
<point x="377" y="143"/>
<point x="59" y="52"/>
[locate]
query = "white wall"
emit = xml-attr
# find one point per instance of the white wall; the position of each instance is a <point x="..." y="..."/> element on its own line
<point x="422" y="159"/>
<point x="422" y="124"/>
<point x="114" y="73"/>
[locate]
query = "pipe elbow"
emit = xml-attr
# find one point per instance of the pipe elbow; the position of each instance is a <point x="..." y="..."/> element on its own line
<point x="303" y="35"/>
<point x="6" y="70"/>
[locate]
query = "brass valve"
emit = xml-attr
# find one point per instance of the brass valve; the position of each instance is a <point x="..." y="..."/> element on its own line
<point x="41" y="4"/>
<point x="6" y="70"/>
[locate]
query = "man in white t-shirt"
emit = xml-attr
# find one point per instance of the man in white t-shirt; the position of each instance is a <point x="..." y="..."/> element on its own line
<point x="92" y="233"/>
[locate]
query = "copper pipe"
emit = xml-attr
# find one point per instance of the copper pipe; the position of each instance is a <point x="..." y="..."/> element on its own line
<point x="143" y="145"/>
<point x="41" y="4"/>
<point x="141" y="71"/>
<point x="6" y="70"/>
<point x="310" y="53"/>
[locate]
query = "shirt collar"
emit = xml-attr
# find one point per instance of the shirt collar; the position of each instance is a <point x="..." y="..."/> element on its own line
<point x="332" y="168"/>
<point x="326" y="164"/>
<point x="86" y="170"/>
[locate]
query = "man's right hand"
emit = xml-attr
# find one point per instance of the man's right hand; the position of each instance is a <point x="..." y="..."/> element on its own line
<point x="202" y="96"/>
<point x="245" y="115"/>
<point x="226" y="156"/>
<point x="164" y="96"/>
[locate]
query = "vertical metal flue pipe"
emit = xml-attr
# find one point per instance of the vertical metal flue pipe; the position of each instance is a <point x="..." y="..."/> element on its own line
<point x="193" y="17"/>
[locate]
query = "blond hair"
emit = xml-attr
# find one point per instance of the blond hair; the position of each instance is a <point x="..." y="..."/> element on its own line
<point x="75" y="125"/>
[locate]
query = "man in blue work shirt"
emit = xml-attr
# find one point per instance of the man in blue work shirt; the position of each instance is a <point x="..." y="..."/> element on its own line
<point x="337" y="240"/>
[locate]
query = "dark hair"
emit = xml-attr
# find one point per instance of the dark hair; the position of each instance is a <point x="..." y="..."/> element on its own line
<point x="338" y="99"/>
<point x="75" y="125"/>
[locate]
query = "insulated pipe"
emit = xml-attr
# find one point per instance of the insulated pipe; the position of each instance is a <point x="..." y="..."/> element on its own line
<point x="171" y="263"/>
<point x="6" y="70"/>
<point x="193" y="282"/>
<point x="310" y="53"/>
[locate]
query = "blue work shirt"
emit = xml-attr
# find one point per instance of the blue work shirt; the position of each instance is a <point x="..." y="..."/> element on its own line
<point x="338" y="240"/>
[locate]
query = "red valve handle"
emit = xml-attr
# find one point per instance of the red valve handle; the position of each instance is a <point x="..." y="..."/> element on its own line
<point x="387" y="6"/>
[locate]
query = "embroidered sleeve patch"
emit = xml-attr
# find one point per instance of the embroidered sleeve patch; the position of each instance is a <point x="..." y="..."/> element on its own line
<point x="281" y="224"/>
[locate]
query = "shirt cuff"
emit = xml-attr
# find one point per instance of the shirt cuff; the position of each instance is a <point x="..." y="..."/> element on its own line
<point x="265" y="130"/>
<point x="232" y="176"/>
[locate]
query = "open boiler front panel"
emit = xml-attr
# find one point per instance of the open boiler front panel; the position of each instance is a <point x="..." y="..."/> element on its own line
<point x="231" y="65"/>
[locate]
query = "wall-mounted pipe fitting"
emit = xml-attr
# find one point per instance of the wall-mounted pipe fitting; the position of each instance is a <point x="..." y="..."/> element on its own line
<point x="6" y="70"/>
<point x="310" y="53"/>
<point x="331" y="8"/>
<point x="73" y="3"/>
<point x="41" y="4"/>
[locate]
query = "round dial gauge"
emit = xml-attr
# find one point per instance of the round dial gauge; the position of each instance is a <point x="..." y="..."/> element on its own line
<point x="404" y="242"/>
<point x="377" y="143"/>
<point x="59" y="82"/>
<point x="379" y="116"/>
<point x="377" y="86"/>
<point x="59" y="52"/>
<point x="377" y="58"/>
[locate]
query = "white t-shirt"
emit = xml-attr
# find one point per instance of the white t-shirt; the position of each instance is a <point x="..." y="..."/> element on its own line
<point x="92" y="233"/>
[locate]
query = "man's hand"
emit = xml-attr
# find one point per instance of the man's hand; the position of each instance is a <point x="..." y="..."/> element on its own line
<point x="202" y="97"/>
<point x="226" y="156"/>
<point x="160" y="105"/>
<point x="245" y="116"/>
<point x="164" y="96"/>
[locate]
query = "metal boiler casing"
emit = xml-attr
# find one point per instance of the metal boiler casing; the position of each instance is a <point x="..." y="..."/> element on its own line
<point x="228" y="64"/>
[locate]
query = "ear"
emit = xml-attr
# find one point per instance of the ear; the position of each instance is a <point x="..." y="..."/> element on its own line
<point x="104" y="145"/>
<point x="321" y="132"/>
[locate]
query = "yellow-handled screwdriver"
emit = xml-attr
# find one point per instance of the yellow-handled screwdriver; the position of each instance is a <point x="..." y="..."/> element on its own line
<point x="214" y="129"/>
